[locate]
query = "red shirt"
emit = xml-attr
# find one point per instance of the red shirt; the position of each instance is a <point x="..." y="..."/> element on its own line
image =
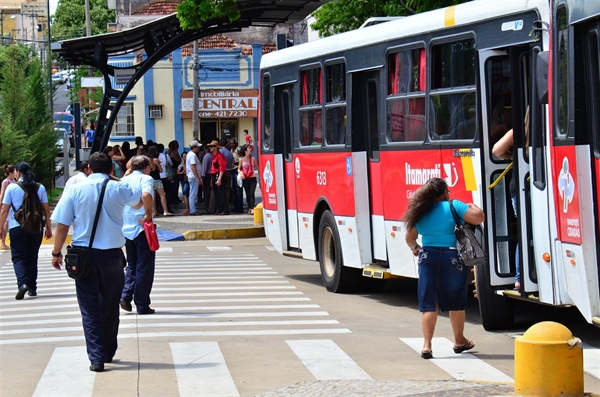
<point x="218" y="164"/>
<point x="248" y="139"/>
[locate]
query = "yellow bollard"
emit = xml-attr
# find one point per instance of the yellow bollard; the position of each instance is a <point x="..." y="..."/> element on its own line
<point x="548" y="362"/>
<point x="258" y="214"/>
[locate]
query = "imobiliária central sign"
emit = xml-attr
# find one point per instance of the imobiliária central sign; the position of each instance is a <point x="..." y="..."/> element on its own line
<point x="220" y="103"/>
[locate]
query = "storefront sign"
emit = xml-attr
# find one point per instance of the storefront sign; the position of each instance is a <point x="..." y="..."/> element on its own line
<point x="220" y="103"/>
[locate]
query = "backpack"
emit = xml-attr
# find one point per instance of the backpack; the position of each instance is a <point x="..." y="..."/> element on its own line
<point x="30" y="215"/>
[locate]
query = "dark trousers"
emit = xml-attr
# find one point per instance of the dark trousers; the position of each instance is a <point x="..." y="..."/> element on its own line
<point x="139" y="274"/>
<point x="219" y="194"/>
<point x="98" y="296"/>
<point x="226" y="182"/>
<point x="207" y="190"/>
<point x="24" y="248"/>
<point x="237" y="193"/>
<point x="250" y="188"/>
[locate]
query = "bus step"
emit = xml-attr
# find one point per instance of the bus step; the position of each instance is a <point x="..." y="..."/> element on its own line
<point x="596" y="321"/>
<point x="377" y="272"/>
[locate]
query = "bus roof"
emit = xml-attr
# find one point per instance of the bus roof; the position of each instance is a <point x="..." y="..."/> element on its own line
<point x="462" y="14"/>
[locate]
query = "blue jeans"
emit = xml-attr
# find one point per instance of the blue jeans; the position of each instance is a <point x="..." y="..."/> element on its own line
<point x="98" y="296"/>
<point x="443" y="280"/>
<point x="139" y="274"/>
<point x="185" y="188"/>
<point x="24" y="249"/>
<point x="193" y="193"/>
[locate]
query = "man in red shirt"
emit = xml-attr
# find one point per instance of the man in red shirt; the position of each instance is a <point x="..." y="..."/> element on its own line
<point x="248" y="137"/>
<point x="217" y="169"/>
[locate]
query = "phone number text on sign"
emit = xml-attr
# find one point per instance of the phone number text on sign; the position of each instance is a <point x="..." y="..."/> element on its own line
<point x="224" y="113"/>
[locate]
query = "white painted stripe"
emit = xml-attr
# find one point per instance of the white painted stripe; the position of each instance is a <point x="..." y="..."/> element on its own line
<point x="220" y="272"/>
<point x="165" y="249"/>
<point x="464" y="366"/>
<point x="215" y="265"/>
<point x="134" y="335"/>
<point x="591" y="360"/>
<point x="204" y="270"/>
<point x="229" y="294"/>
<point x="228" y="282"/>
<point x="217" y="248"/>
<point x="326" y="360"/>
<point x="125" y="318"/>
<point x="201" y="370"/>
<point x="174" y="325"/>
<point x="270" y="248"/>
<point x="66" y="374"/>
<point x="175" y="308"/>
<point x="222" y="288"/>
<point x="229" y="300"/>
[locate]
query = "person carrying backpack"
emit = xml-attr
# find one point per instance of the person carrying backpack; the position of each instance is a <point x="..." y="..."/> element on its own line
<point x="25" y="204"/>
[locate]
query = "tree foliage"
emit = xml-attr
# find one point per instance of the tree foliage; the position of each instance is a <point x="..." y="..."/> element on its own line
<point x="339" y="16"/>
<point x="193" y="13"/>
<point x="26" y="132"/>
<point x="69" y="19"/>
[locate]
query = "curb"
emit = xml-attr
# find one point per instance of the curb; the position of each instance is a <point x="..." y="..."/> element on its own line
<point x="225" y="234"/>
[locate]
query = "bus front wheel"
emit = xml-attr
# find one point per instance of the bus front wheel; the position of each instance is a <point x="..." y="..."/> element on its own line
<point x="336" y="277"/>
<point x="496" y="311"/>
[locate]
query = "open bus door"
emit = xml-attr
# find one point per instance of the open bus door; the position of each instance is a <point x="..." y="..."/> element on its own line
<point x="505" y="97"/>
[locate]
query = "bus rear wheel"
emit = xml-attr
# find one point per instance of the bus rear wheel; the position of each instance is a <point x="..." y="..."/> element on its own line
<point x="496" y="311"/>
<point x="336" y="277"/>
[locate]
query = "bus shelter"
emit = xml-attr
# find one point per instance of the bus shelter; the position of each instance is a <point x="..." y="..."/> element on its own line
<point x="157" y="39"/>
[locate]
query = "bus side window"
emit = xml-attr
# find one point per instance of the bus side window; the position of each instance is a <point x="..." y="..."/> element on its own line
<point x="311" y="111"/>
<point x="266" y="109"/>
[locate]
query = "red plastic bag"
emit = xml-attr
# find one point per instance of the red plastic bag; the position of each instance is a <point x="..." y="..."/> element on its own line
<point x="151" y="237"/>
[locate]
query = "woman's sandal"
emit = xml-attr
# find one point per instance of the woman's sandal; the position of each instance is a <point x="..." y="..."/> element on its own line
<point x="468" y="346"/>
<point x="426" y="355"/>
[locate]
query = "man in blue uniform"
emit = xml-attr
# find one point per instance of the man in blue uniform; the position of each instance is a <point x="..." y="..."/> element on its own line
<point x="140" y="260"/>
<point x="99" y="293"/>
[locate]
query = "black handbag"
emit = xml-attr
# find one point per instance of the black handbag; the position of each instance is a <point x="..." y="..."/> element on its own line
<point x="468" y="245"/>
<point x="77" y="259"/>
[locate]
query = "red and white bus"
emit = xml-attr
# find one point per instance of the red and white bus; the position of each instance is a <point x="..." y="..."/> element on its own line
<point x="351" y="125"/>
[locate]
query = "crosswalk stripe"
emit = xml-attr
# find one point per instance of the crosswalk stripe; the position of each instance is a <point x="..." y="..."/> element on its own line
<point x="591" y="360"/>
<point x="177" y="325"/>
<point x="326" y="360"/>
<point x="66" y="374"/>
<point x="218" y="248"/>
<point x="201" y="370"/>
<point x="460" y="366"/>
<point x="124" y="317"/>
<point x="134" y="335"/>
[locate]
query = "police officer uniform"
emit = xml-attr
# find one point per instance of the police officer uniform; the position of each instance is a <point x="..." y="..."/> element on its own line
<point x="99" y="293"/>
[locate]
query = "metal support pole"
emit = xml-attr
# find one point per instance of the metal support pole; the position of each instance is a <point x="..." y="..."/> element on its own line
<point x="195" y="115"/>
<point x="49" y="59"/>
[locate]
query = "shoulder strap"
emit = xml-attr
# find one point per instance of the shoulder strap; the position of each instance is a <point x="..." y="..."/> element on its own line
<point x="98" y="212"/>
<point x="25" y="194"/>
<point x="454" y="214"/>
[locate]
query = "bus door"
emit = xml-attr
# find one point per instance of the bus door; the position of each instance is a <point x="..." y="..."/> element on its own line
<point x="590" y="122"/>
<point x="365" y="138"/>
<point x="576" y="155"/>
<point x="283" y="144"/>
<point x="505" y="98"/>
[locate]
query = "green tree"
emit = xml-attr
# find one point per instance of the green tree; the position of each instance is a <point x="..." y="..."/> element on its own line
<point x="26" y="132"/>
<point x="343" y="15"/>
<point x="192" y="13"/>
<point x="69" y="18"/>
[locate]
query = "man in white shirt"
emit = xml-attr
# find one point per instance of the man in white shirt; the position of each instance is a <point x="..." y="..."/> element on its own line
<point x="165" y="161"/>
<point x="193" y="167"/>
<point x="84" y="171"/>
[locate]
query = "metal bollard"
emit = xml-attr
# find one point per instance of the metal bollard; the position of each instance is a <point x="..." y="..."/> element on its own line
<point x="258" y="214"/>
<point x="548" y="362"/>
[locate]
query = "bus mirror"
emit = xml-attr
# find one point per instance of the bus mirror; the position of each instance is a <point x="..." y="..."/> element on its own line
<point x="541" y="73"/>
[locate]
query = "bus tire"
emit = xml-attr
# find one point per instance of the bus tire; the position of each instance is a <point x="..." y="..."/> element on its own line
<point x="336" y="277"/>
<point x="496" y="311"/>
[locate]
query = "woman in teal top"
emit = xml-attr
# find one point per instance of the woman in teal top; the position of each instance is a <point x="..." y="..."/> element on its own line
<point x="443" y="277"/>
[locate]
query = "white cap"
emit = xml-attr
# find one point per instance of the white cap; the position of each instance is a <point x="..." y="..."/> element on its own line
<point x="195" y="143"/>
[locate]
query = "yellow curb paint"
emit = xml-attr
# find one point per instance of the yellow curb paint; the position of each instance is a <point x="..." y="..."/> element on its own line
<point x="226" y="234"/>
<point x="49" y="241"/>
<point x="449" y="16"/>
